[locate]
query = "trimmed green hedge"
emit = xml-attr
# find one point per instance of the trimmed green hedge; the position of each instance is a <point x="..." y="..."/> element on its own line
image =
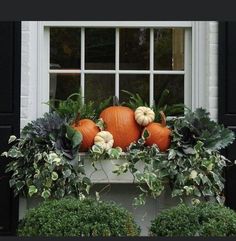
<point x="205" y="219"/>
<point x="72" y="217"/>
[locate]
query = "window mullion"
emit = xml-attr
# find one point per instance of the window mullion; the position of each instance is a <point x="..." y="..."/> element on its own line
<point x="187" y="68"/>
<point x="151" y="80"/>
<point x="117" y="62"/>
<point x="82" y="78"/>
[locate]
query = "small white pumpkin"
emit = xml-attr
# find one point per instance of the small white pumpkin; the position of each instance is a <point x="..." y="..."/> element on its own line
<point x="104" y="139"/>
<point x="144" y="115"/>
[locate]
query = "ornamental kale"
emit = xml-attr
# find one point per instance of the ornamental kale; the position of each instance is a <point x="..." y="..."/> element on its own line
<point x="197" y="126"/>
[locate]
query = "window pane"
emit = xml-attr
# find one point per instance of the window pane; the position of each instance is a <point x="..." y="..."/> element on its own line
<point x="63" y="85"/>
<point x="138" y="83"/>
<point x="134" y="49"/>
<point x="169" y="49"/>
<point x="65" y="48"/>
<point x="175" y="85"/>
<point x="99" y="86"/>
<point x="99" y="48"/>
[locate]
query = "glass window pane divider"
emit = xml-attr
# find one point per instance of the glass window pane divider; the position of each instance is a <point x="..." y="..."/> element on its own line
<point x="117" y="61"/>
<point x="95" y="71"/>
<point x="82" y="77"/>
<point x="169" y="72"/>
<point x="151" y="79"/>
<point x="64" y="71"/>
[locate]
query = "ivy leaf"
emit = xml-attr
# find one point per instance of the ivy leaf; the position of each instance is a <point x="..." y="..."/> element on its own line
<point x="145" y="134"/>
<point x="172" y="154"/>
<point x="32" y="190"/>
<point x="67" y="173"/>
<point x="101" y="124"/>
<point x="11" y="139"/>
<point x="46" y="194"/>
<point x="97" y="149"/>
<point x="54" y="176"/>
<point x="114" y="153"/>
<point x="5" y="153"/>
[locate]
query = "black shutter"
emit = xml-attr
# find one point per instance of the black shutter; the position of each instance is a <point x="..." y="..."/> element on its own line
<point x="227" y="99"/>
<point x="10" y="65"/>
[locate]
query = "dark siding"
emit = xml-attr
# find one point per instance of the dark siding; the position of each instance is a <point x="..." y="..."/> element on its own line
<point x="10" y="64"/>
<point x="227" y="99"/>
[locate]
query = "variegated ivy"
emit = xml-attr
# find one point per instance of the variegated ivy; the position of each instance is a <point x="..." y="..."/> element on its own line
<point x="42" y="160"/>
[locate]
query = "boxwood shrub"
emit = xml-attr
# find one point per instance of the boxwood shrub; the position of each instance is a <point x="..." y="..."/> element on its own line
<point x="73" y="217"/>
<point x="204" y="219"/>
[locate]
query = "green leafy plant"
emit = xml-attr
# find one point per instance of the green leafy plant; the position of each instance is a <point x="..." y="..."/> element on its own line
<point x="42" y="159"/>
<point x="75" y="107"/>
<point x="150" y="180"/>
<point x="192" y="166"/>
<point x="205" y="219"/>
<point x="135" y="101"/>
<point x="78" y="217"/>
<point x="195" y="165"/>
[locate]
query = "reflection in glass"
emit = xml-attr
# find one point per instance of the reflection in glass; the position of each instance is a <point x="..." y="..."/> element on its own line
<point x="134" y="83"/>
<point x="169" y="49"/>
<point x="63" y="85"/>
<point x="65" y="48"/>
<point x="134" y="49"/>
<point x="175" y="85"/>
<point x="99" y="87"/>
<point x="99" y="48"/>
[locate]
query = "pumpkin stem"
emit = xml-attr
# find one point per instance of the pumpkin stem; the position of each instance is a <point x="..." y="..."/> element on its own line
<point x="77" y="119"/>
<point x="115" y="101"/>
<point x="163" y="118"/>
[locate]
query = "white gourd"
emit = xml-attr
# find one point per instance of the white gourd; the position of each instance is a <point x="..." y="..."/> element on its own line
<point x="104" y="139"/>
<point x="144" y="115"/>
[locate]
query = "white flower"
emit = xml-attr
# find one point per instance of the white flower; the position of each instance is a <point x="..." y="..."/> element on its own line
<point x="193" y="174"/>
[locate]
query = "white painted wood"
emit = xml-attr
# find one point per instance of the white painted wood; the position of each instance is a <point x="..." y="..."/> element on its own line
<point x="43" y="75"/>
<point x="104" y="173"/>
<point x="82" y="77"/>
<point x="159" y="24"/>
<point x="151" y="79"/>
<point x="102" y="71"/>
<point x="64" y="71"/>
<point x="199" y="62"/>
<point x="117" y="63"/>
<point x="188" y="68"/>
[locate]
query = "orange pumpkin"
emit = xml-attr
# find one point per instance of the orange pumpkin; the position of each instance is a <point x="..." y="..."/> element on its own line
<point x="120" y="122"/>
<point x="88" y="129"/>
<point x="159" y="134"/>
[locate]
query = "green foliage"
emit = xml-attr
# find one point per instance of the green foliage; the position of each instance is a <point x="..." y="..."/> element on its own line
<point x="73" y="217"/>
<point x="205" y="219"/>
<point x="150" y="179"/>
<point x="74" y="107"/>
<point x="135" y="100"/>
<point x="169" y="110"/>
<point x="98" y="153"/>
<point x="191" y="167"/>
<point x="42" y="159"/>
<point x="197" y="126"/>
<point x="161" y="105"/>
<point x="194" y="164"/>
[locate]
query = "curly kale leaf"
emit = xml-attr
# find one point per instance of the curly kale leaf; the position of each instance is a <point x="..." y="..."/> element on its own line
<point x="45" y="128"/>
<point x="197" y="126"/>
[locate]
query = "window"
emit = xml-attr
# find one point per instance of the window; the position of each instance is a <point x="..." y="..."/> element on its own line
<point x="103" y="60"/>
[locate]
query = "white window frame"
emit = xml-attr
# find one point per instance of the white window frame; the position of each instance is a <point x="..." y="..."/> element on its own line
<point x="194" y="58"/>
